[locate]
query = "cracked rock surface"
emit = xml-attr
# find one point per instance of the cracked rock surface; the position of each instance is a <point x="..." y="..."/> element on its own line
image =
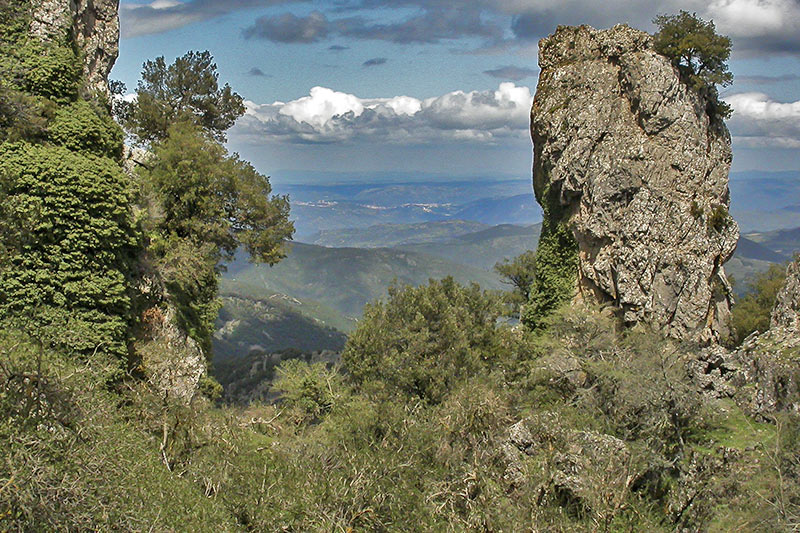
<point x="95" y="27"/>
<point x="641" y="170"/>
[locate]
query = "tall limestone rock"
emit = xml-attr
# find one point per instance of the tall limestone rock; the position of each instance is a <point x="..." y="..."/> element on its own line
<point x="94" y="24"/>
<point x="632" y="172"/>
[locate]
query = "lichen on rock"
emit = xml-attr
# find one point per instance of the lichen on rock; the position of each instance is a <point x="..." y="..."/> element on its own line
<point x="629" y="162"/>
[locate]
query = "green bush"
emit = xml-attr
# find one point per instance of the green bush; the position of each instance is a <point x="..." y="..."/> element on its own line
<point x="752" y="312"/>
<point x="422" y="341"/>
<point x="66" y="248"/>
<point x="82" y="127"/>
<point x="555" y="264"/>
<point x="50" y="71"/>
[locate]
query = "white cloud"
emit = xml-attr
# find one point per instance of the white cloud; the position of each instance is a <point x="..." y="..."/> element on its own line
<point x="760" y="121"/>
<point x="321" y="106"/>
<point x="328" y="116"/>
<point x="752" y="18"/>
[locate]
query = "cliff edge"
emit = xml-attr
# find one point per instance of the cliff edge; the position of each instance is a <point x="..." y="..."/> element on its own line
<point x="631" y="168"/>
<point x="94" y="26"/>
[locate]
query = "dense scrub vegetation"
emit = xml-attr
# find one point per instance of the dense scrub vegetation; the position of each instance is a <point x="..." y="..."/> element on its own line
<point x="67" y="238"/>
<point x="752" y="312"/>
<point x="576" y="427"/>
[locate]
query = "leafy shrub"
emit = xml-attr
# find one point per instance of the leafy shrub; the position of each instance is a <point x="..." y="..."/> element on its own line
<point x="50" y="71"/>
<point x="424" y="340"/>
<point x="310" y="389"/>
<point x="752" y="312"/>
<point x="67" y="248"/>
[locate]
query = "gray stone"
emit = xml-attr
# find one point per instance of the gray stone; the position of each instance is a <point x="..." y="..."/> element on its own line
<point x="769" y="379"/>
<point x="95" y="27"/>
<point x="640" y="168"/>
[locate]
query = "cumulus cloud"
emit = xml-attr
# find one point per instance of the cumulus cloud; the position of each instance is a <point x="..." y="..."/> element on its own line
<point x="164" y="15"/>
<point x="328" y="116"/>
<point x="374" y="62"/>
<point x="759" y="25"/>
<point x="760" y="121"/>
<point x="288" y="28"/>
<point x="510" y="72"/>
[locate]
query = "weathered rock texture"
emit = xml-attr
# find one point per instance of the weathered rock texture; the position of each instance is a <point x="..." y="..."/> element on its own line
<point x="627" y="156"/>
<point x="768" y="379"/>
<point x="94" y="24"/>
<point x="763" y="374"/>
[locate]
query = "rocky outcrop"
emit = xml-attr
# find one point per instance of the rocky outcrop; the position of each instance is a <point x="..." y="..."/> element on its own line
<point x="172" y="362"/>
<point x="628" y="159"/>
<point x="94" y="24"/>
<point x="768" y="379"/>
<point x="786" y="314"/>
<point x="763" y="374"/>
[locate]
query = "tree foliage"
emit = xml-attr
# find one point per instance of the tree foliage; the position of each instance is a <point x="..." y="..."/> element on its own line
<point x="187" y="90"/>
<point x="697" y="51"/>
<point x="202" y="205"/>
<point x="207" y="196"/>
<point x="518" y="272"/>
<point x="424" y="340"/>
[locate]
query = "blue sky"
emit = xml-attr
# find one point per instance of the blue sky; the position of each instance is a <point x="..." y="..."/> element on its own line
<point x="437" y="86"/>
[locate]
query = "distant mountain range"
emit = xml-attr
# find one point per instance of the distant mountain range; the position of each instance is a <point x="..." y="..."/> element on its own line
<point x="765" y="201"/>
<point x="356" y="239"/>
<point x="319" y="208"/>
<point x="314" y="295"/>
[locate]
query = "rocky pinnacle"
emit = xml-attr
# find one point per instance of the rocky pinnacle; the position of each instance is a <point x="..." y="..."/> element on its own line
<point x="639" y="168"/>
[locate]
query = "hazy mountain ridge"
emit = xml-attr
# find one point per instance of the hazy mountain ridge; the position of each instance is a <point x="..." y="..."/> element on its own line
<point x="289" y="306"/>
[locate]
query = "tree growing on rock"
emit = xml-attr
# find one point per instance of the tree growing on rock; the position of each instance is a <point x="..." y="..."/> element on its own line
<point x="200" y="203"/>
<point x="698" y="51"/>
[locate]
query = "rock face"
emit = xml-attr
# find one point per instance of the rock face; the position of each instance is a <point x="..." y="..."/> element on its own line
<point x="768" y="380"/>
<point x="786" y="314"/>
<point x="94" y="24"/>
<point x="627" y="157"/>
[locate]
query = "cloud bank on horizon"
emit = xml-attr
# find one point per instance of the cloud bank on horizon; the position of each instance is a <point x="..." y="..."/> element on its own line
<point x="761" y="29"/>
<point x="328" y="116"/>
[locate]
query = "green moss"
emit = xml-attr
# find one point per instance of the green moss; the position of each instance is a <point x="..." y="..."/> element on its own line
<point x="556" y="263"/>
